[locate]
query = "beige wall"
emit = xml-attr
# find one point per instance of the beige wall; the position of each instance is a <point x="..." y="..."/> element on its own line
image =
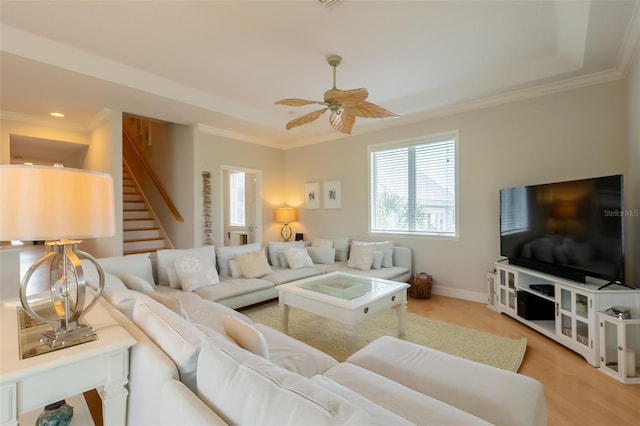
<point x="570" y="135"/>
<point x="632" y="181"/>
<point x="211" y="152"/>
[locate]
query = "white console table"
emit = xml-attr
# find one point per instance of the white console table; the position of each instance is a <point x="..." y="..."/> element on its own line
<point x="574" y="306"/>
<point x="30" y="383"/>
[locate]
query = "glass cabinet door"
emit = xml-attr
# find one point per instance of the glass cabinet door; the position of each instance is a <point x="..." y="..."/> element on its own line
<point x="610" y="345"/>
<point x="574" y="315"/>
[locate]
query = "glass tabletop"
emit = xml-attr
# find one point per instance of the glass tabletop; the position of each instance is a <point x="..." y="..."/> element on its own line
<point x="345" y="287"/>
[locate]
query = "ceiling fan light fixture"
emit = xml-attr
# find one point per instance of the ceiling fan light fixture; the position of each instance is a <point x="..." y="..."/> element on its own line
<point x="345" y="105"/>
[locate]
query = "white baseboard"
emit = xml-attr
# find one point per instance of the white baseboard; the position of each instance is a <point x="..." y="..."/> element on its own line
<point x="473" y="296"/>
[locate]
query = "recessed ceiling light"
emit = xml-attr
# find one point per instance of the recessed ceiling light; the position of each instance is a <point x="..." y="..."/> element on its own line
<point x="57" y="114"/>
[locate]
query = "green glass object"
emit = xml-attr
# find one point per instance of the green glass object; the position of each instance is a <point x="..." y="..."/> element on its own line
<point x="56" y="414"/>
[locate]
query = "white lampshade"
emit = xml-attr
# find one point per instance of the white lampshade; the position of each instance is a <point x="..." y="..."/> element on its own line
<point x="40" y="203"/>
<point x="285" y="215"/>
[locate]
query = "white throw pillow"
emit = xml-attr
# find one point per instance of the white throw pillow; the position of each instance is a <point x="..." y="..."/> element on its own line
<point x="387" y="248"/>
<point x="275" y="248"/>
<point x="378" y="255"/>
<point x="170" y="302"/>
<point x="245" y="335"/>
<point x="322" y="243"/>
<point x="136" y="264"/>
<point x="134" y="282"/>
<point x="166" y="260"/>
<point x="174" y="281"/>
<point x="322" y="255"/>
<point x="236" y="272"/>
<point x="298" y="258"/>
<point x="253" y="264"/>
<point x="361" y="255"/>
<point x="196" y="271"/>
<point x="225" y="254"/>
<point x="177" y="337"/>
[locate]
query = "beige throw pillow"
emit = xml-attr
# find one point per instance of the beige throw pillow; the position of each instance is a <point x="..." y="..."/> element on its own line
<point x="253" y="264"/>
<point x="245" y="335"/>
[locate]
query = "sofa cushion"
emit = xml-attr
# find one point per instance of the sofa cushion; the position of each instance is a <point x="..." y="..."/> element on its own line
<point x="342" y="249"/>
<point x="401" y="400"/>
<point x="379" y="415"/>
<point x="179" y="406"/>
<point x="281" y="276"/>
<point x="322" y="243"/>
<point x="378" y="255"/>
<point x="136" y="283"/>
<point x="229" y="287"/>
<point x="234" y="267"/>
<point x="225" y="254"/>
<point x="123" y="299"/>
<point x="322" y="255"/>
<point x="387" y="248"/>
<point x="136" y="264"/>
<point x="465" y="384"/>
<point x="245" y="335"/>
<point x="361" y="255"/>
<point x="177" y="337"/>
<point x="277" y="247"/>
<point x="166" y="260"/>
<point x="244" y="388"/>
<point x="294" y="355"/>
<point x="170" y="302"/>
<point x="298" y="258"/>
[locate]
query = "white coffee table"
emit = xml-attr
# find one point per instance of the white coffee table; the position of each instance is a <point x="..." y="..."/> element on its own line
<point x="345" y="298"/>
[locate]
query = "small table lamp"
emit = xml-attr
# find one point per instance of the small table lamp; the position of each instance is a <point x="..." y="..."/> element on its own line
<point x="286" y="215"/>
<point x="60" y="206"/>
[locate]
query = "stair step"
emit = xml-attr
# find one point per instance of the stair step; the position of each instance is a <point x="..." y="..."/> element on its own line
<point x="130" y="190"/>
<point x="127" y="182"/>
<point x="131" y="197"/>
<point x="135" y="205"/>
<point x="136" y="214"/>
<point x="152" y="244"/>
<point x="138" y="224"/>
<point x="141" y="234"/>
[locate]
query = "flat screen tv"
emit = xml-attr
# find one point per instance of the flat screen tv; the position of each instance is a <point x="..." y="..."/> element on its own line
<point x="571" y="229"/>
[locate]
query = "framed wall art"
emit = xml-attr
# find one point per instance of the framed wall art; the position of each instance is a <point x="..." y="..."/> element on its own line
<point x="332" y="195"/>
<point x="312" y="195"/>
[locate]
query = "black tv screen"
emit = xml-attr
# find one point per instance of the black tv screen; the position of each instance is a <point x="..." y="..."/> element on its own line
<point x="571" y="229"/>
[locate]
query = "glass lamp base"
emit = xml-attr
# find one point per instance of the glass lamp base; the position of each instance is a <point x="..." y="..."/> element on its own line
<point x="56" y="414"/>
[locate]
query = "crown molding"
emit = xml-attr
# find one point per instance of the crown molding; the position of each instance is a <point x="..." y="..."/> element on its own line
<point x="216" y="131"/>
<point x="631" y="43"/>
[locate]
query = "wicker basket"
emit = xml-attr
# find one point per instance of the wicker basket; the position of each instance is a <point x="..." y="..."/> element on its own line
<point x="420" y="286"/>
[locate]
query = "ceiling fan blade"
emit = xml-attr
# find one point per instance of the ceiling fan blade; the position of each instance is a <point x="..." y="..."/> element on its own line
<point x="297" y="102"/>
<point x="305" y="119"/>
<point x="368" y="110"/>
<point x="348" y="97"/>
<point x="342" y="120"/>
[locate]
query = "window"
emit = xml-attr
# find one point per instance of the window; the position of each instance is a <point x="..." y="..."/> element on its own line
<point x="413" y="187"/>
<point x="236" y="199"/>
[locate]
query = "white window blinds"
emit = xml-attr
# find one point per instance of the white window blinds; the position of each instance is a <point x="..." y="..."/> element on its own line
<point x="413" y="188"/>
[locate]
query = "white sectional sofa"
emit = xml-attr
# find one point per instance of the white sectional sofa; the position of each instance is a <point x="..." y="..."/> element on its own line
<point x="198" y="362"/>
<point x="235" y="290"/>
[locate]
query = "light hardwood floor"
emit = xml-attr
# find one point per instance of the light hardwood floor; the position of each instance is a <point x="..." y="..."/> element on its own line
<point x="576" y="392"/>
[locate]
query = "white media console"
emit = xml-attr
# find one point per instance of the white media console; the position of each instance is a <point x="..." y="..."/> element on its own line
<point x="564" y="310"/>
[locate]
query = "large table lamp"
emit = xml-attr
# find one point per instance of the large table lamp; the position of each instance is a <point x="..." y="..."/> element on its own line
<point x="286" y="215"/>
<point x="60" y="206"/>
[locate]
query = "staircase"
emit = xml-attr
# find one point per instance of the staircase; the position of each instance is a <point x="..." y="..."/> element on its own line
<point x="141" y="230"/>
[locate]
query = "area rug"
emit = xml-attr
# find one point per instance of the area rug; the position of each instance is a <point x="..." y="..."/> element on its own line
<point x="329" y="336"/>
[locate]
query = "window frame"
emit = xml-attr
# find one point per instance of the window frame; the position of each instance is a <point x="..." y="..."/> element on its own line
<point x="405" y="143"/>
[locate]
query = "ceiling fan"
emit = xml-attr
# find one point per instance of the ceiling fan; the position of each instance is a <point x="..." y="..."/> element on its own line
<point x="345" y="105"/>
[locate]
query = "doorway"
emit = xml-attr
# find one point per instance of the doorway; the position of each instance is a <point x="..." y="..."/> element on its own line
<point x="241" y="206"/>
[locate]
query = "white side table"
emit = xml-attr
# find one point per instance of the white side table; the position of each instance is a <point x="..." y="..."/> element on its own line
<point x="103" y="364"/>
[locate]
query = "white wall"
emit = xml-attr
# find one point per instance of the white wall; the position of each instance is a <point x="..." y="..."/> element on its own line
<point x="570" y="135"/>
<point x="632" y="181"/>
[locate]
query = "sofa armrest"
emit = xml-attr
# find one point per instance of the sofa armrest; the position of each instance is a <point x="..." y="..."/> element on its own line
<point x="495" y="395"/>
<point x="402" y="257"/>
<point x="179" y="406"/>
